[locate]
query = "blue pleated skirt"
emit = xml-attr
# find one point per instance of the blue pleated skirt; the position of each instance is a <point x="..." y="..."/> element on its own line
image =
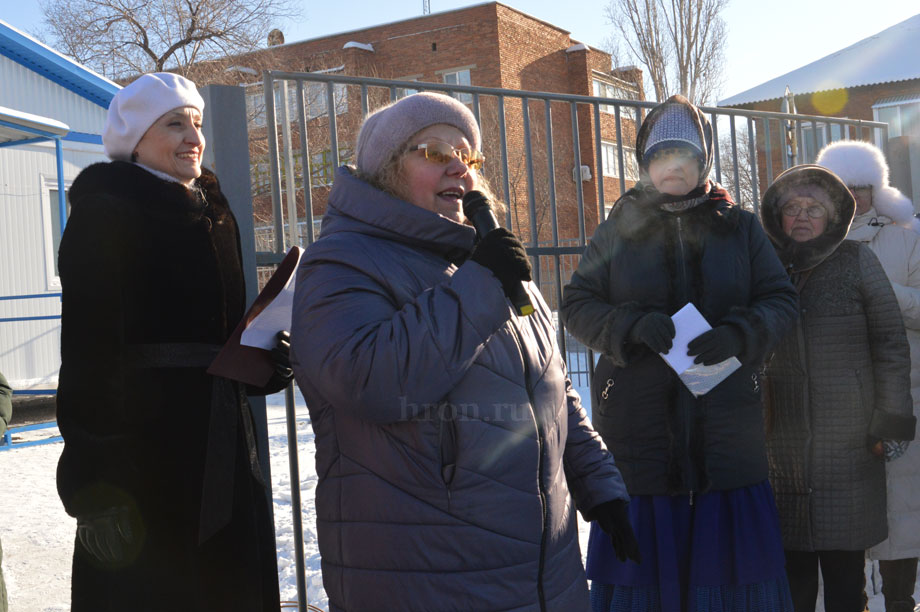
<point x="722" y="554"/>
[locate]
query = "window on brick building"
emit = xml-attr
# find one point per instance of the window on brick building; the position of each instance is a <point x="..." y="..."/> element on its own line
<point x="314" y="101"/>
<point x="901" y="113"/>
<point x="459" y="77"/>
<point x="604" y="89"/>
<point x="807" y="145"/>
<point x="611" y="162"/>
<point x="402" y="92"/>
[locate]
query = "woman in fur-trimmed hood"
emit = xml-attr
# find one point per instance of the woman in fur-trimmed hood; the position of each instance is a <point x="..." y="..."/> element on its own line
<point x="677" y="237"/>
<point x="838" y="385"/>
<point x="885" y="222"/>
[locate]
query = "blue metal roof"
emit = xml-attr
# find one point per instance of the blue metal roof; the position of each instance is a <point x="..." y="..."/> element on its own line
<point x="36" y="56"/>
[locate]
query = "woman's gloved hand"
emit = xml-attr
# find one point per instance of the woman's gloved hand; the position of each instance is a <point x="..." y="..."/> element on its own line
<point x="655" y="330"/>
<point x="107" y="535"/>
<point x="501" y="252"/>
<point x="613" y="518"/>
<point x="716" y="345"/>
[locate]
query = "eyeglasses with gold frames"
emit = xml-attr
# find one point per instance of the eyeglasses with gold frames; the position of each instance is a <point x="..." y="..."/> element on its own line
<point x="439" y="152"/>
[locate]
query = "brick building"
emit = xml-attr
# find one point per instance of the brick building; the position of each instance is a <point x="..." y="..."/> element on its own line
<point x="489" y="45"/>
<point x="885" y="87"/>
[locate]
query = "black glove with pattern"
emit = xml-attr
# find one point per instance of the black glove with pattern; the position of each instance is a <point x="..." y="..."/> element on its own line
<point x="716" y="345"/>
<point x="655" y="330"/>
<point x="613" y="518"/>
<point x="501" y="252"/>
<point x="107" y="535"/>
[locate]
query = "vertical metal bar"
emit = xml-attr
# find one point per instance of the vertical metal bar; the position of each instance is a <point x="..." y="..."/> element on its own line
<point x="621" y="157"/>
<point x="306" y="165"/>
<point x="392" y="93"/>
<point x="296" y="504"/>
<point x="734" y="135"/>
<point x="62" y="195"/>
<point x="476" y="110"/>
<point x="814" y="142"/>
<point x="752" y="153"/>
<point x="333" y="136"/>
<point x="531" y="188"/>
<point x="560" y="332"/>
<point x="599" y="166"/>
<point x="363" y="101"/>
<point x="768" y="153"/>
<point x="800" y="144"/>
<point x="885" y="148"/>
<point x="551" y="172"/>
<point x="828" y="135"/>
<point x="272" y="134"/>
<point x="503" y="142"/>
<point x="290" y="182"/>
<point x="576" y="145"/>
<point x="717" y="157"/>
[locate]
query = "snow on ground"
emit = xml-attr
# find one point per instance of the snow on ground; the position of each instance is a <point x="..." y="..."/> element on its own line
<point x="37" y="534"/>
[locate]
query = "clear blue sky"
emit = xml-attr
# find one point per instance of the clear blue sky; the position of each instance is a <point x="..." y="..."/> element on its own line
<point x="765" y="39"/>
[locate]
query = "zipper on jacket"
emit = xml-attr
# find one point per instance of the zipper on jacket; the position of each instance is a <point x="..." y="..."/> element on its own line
<point x="684" y="295"/>
<point x="515" y="333"/>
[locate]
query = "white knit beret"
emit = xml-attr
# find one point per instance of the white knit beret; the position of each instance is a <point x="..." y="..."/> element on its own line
<point x="137" y="106"/>
<point x="389" y="128"/>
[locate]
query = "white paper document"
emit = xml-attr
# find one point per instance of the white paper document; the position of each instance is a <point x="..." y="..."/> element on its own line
<point x="263" y="329"/>
<point x="700" y="379"/>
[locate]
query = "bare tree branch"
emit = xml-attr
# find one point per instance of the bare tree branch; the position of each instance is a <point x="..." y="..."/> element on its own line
<point x="680" y="43"/>
<point x="119" y="38"/>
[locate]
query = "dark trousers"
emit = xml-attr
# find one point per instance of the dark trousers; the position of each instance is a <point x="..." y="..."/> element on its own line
<point x="899" y="578"/>
<point x="844" y="577"/>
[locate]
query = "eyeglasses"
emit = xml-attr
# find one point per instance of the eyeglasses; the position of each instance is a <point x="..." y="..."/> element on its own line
<point x="684" y="152"/>
<point x="813" y="212"/>
<point x="441" y="153"/>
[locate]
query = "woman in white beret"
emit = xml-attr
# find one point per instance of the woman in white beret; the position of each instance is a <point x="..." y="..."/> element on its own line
<point x="160" y="465"/>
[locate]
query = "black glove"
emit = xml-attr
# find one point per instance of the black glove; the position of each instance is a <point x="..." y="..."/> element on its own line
<point x="716" y="345"/>
<point x="107" y="535"/>
<point x="655" y="330"/>
<point x="281" y="355"/>
<point x="502" y="253"/>
<point x="613" y="518"/>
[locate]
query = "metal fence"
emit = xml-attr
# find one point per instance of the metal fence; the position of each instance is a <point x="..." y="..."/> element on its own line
<point x="532" y="138"/>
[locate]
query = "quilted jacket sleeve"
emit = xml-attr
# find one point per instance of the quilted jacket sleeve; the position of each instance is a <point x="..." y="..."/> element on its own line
<point x="892" y="417"/>
<point x="773" y="304"/>
<point x="386" y="362"/>
<point x="908" y="294"/>
<point x="590" y="471"/>
<point x="586" y="309"/>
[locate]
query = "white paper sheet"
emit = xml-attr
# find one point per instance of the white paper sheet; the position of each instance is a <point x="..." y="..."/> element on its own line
<point x="262" y="330"/>
<point x="698" y="378"/>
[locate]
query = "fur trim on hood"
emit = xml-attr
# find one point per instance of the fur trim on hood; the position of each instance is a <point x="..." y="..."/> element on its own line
<point x="801" y="256"/>
<point x="859" y="163"/>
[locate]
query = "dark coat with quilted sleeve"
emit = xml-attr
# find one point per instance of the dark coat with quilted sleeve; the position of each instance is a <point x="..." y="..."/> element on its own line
<point x="146" y="261"/>
<point x="838" y="382"/>
<point x="449" y="441"/>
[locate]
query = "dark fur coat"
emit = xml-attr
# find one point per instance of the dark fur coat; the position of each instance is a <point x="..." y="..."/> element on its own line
<point x="148" y="261"/>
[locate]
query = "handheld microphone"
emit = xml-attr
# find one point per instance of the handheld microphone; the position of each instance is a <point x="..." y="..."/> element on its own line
<point x="478" y="210"/>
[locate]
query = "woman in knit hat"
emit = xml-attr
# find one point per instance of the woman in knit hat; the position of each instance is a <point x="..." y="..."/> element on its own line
<point x="451" y="449"/>
<point x="839" y="386"/>
<point x="695" y="465"/>
<point x="159" y="463"/>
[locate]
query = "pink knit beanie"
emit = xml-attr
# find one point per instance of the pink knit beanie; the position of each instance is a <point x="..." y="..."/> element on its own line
<point x="387" y="129"/>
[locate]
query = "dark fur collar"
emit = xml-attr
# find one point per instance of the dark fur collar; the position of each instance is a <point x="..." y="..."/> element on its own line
<point x="149" y="193"/>
<point x="637" y="215"/>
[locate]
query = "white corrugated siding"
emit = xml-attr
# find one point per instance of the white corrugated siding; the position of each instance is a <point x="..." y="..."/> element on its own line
<point x="30" y="350"/>
<point x="27" y="91"/>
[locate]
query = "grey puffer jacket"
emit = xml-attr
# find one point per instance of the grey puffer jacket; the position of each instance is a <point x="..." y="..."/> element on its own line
<point x="448" y="435"/>
<point x="837" y="383"/>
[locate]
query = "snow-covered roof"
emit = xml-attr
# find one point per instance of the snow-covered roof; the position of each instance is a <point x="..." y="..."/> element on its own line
<point x="42" y="59"/>
<point x="17" y="126"/>
<point x="891" y="55"/>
